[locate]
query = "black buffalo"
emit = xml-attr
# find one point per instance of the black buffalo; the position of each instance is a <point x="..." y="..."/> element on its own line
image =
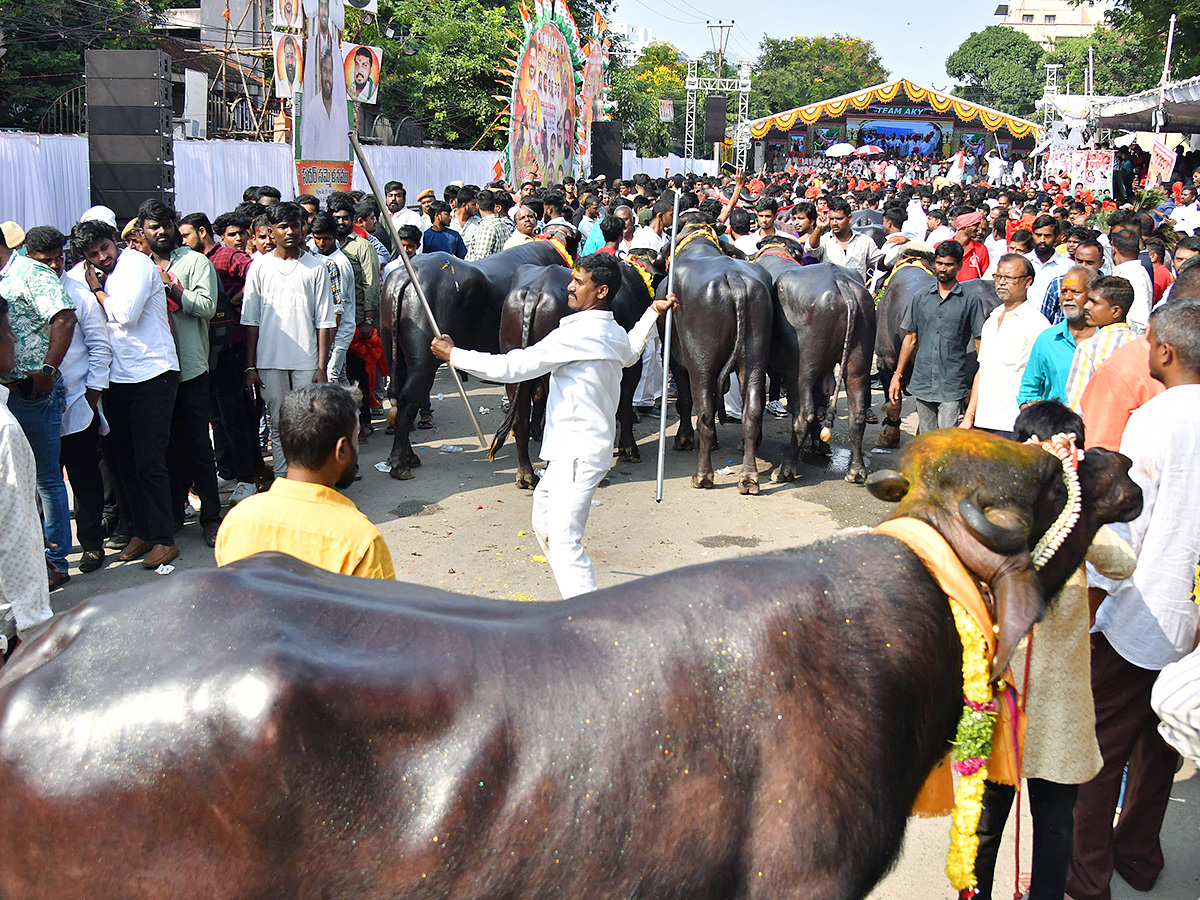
<point x="753" y="728"/>
<point x="467" y="299"/>
<point x="824" y="319"/>
<point x="533" y="308"/>
<point x="722" y="325"/>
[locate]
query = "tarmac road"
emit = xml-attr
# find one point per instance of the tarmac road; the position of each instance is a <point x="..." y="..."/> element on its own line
<point x="461" y="524"/>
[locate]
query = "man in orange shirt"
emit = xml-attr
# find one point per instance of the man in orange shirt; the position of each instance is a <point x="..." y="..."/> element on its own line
<point x="1119" y="385"/>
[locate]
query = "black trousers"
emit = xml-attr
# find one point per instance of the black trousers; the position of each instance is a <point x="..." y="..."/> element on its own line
<point x="356" y="371"/>
<point x="80" y="456"/>
<point x="190" y="452"/>
<point x="139" y="418"/>
<point x="234" y="418"/>
<point x="1053" y="808"/>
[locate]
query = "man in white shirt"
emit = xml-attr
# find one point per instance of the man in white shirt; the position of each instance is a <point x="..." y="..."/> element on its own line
<point x="1186" y="215"/>
<point x="85" y="376"/>
<point x="1127" y="264"/>
<point x="1146" y="621"/>
<point x="1008" y="336"/>
<point x="655" y="233"/>
<point x="1048" y="263"/>
<point x="287" y="306"/>
<point x="916" y="220"/>
<point x="834" y="241"/>
<point x="396" y="197"/>
<point x="938" y="229"/>
<point x="24" y="590"/>
<point x="143" y="380"/>
<point x="584" y="357"/>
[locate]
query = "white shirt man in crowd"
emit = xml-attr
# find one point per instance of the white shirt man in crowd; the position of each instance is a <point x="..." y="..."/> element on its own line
<point x="396" y="196"/>
<point x="1008" y="336"/>
<point x="143" y="380"/>
<point x="288" y="309"/>
<point x="834" y="241"/>
<point x="1127" y="264"/>
<point x="1145" y="622"/>
<point x="584" y="357"/>
<point x="1186" y="215"/>
<point x="655" y="233"/>
<point x="1048" y="263"/>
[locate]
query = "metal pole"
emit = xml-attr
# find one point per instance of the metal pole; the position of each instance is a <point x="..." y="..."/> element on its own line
<point x="1166" y="75"/>
<point x="662" y="419"/>
<point x="412" y="277"/>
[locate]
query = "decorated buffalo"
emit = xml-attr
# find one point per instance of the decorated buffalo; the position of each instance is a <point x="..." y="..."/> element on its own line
<point x="824" y="331"/>
<point x="913" y="272"/>
<point x="753" y="728"/>
<point x="722" y="325"/>
<point x="466" y="299"/>
<point x="533" y="308"/>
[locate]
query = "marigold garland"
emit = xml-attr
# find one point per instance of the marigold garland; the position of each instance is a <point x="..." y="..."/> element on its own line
<point x="972" y="746"/>
<point x="645" y="273"/>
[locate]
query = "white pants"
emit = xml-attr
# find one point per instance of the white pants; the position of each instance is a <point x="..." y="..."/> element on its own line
<point x="337" y="354"/>
<point x="276" y="384"/>
<point x="733" y="397"/>
<point x="650" y="387"/>
<point x="561" y="504"/>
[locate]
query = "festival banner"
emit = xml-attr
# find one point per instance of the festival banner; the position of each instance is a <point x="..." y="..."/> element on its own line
<point x="361" y="66"/>
<point x="289" y="64"/>
<point x="543" y="104"/>
<point x="666" y="110"/>
<point x="287" y="14"/>
<point x="1162" y="162"/>
<point x="322" y="111"/>
<point x="593" y="91"/>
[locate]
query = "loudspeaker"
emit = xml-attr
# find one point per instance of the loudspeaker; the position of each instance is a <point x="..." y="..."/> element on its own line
<point x="129" y="128"/>
<point x="714" y="117"/>
<point x="607" y="138"/>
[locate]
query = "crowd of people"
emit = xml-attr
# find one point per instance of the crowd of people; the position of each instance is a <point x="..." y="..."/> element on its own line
<point x="159" y="362"/>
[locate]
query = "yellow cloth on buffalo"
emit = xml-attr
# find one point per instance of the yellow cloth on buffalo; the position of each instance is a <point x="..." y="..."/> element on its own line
<point x="310" y="522"/>
<point x="937" y="795"/>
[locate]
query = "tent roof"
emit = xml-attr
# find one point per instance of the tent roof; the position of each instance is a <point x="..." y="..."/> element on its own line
<point x="1136" y="112"/>
<point x="991" y="119"/>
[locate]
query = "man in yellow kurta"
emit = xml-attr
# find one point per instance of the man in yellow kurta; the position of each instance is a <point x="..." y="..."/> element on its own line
<point x="303" y="514"/>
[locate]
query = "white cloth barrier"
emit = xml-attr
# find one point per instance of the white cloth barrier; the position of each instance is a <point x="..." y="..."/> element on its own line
<point x="426" y="167"/>
<point x="210" y="176"/>
<point x="656" y="166"/>
<point x="45" y="179"/>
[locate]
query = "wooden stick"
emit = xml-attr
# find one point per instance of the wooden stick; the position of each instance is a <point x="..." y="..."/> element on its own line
<point x="412" y="277"/>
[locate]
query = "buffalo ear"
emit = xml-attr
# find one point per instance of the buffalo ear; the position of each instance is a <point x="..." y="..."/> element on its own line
<point x="887" y="484"/>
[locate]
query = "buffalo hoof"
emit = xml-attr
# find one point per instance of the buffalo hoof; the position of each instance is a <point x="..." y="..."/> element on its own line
<point x="748" y="484"/>
<point x="786" y="472"/>
<point x="684" y="442"/>
<point x="856" y="475"/>
<point x="401" y="473"/>
<point x="889" y="437"/>
<point x="526" y="481"/>
<point x="629" y="454"/>
<point x="702" y="480"/>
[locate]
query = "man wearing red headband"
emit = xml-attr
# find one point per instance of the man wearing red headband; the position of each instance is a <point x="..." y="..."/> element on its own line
<point x="975" y="256"/>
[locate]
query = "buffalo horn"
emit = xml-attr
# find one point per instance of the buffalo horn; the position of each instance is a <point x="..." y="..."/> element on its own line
<point x="887" y="484"/>
<point x="996" y="537"/>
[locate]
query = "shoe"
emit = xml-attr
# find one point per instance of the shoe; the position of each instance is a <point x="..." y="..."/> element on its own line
<point x="91" y="561"/>
<point x="426" y="421"/>
<point x="56" y="578"/>
<point x="135" y="549"/>
<point x="160" y="555"/>
<point x="117" y="542"/>
<point x="190" y="514"/>
<point x="364" y="433"/>
<point x="226" y="484"/>
<point x="777" y="409"/>
<point x="243" y="490"/>
<point x="210" y="533"/>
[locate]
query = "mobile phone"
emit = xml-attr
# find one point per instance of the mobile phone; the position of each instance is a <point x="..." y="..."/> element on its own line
<point x="728" y="168"/>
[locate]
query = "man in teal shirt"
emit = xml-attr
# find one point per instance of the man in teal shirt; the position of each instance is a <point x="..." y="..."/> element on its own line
<point x="191" y="284"/>
<point x="1050" y="359"/>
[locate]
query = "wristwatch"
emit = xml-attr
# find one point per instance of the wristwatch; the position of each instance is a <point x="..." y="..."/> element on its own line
<point x="50" y="370"/>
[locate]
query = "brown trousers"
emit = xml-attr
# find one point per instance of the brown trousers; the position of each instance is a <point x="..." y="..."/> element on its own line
<point x="1127" y="731"/>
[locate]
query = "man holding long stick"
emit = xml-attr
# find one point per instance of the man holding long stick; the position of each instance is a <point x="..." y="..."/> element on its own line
<point x="584" y="357"/>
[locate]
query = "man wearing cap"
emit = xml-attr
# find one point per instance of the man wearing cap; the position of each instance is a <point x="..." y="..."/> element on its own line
<point x="975" y="256"/>
<point x="14" y="236"/>
<point x="424" y="199"/>
<point x="43" y="320"/>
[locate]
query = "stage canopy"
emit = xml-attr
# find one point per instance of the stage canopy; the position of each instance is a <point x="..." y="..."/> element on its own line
<point x="1180" y="99"/>
<point x="904" y="118"/>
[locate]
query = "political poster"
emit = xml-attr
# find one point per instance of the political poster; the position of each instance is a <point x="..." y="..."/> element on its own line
<point x="322" y="111"/>
<point x="543" y="108"/>
<point x="1162" y="161"/>
<point x="361" y="68"/>
<point x="666" y="110"/>
<point x="594" y="89"/>
<point x="289" y="64"/>
<point x="287" y="14"/>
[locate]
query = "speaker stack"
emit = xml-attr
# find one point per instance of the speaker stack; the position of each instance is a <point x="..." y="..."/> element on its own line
<point x="129" y="128"/>
<point x="714" y="117"/>
<point x="606" y="150"/>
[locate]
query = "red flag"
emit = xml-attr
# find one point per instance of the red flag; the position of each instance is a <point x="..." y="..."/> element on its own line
<point x="498" y="170"/>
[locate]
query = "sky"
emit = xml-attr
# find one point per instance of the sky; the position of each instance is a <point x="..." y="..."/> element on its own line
<point x="913" y="39"/>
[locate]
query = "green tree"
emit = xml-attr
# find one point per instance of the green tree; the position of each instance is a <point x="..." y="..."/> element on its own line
<point x="1148" y="21"/>
<point x="44" y="42"/>
<point x="658" y="74"/>
<point x="791" y="72"/>
<point x="1001" y="68"/>
<point x="1123" y="64"/>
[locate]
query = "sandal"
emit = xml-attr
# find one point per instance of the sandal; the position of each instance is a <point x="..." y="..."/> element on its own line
<point x="426" y="421"/>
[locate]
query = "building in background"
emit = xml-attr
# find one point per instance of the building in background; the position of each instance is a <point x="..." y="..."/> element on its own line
<point x="634" y="38"/>
<point x="1046" y="21"/>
